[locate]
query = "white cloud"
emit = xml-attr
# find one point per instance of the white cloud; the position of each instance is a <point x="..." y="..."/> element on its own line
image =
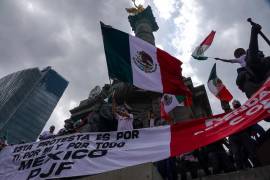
<point x="165" y="8"/>
<point x="33" y="7"/>
<point x="160" y="46"/>
<point x="185" y="36"/>
<point x="72" y="104"/>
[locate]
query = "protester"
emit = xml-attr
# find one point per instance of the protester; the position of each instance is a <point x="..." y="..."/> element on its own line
<point x="218" y="158"/>
<point x="258" y="133"/>
<point x="2" y="144"/>
<point x="167" y="168"/>
<point x="240" y="57"/>
<point x="47" y="134"/>
<point x="188" y="163"/>
<point x="242" y="144"/>
<point x="255" y="131"/>
<point x="122" y="115"/>
<point x="68" y="128"/>
<point x="151" y="118"/>
<point x="202" y="155"/>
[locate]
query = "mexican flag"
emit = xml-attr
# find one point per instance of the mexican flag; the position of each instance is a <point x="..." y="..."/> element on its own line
<point x="216" y="86"/>
<point x="198" y="53"/>
<point x="135" y="61"/>
<point x="169" y="102"/>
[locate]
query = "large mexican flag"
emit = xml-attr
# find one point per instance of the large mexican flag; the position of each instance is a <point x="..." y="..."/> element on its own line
<point x="133" y="60"/>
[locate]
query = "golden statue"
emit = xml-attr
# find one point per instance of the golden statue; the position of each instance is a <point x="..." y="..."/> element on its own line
<point x="135" y="10"/>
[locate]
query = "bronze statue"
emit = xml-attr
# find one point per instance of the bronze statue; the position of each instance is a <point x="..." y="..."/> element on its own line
<point x="257" y="70"/>
<point x="136" y="9"/>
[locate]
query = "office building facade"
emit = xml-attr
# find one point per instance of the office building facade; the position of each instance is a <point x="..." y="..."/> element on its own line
<point x="27" y="100"/>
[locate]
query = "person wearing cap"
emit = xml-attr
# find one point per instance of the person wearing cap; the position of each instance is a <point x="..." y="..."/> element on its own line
<point x="48" y="134"/>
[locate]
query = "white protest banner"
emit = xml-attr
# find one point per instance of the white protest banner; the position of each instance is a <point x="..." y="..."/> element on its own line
<point x="92" y="153"/>
<point x="84" y="154"/>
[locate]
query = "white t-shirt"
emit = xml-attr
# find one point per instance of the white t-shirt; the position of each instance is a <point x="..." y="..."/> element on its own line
<point x="152" y="122"/>
<point x="124" y="123"/>
<point x="241" y="60"/>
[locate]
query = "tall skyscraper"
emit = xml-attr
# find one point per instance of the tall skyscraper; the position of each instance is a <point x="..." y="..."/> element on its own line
<point x="27" y="99"/>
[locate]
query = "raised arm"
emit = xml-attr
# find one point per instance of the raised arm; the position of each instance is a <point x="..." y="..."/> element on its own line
<point x="253" y="45"/>
<point x="227" y="60"/>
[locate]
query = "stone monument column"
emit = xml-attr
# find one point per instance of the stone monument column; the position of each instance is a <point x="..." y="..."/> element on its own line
<point x="143" y="24"/>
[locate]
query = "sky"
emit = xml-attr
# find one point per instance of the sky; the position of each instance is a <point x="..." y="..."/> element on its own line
<point x="65" y="34"/>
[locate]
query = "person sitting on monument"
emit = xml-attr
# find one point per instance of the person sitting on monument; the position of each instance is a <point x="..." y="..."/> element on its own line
<point x="240" y="57"/>
<point x="257" y="69"/>
<point x="68" y="128"/>
<point x="47" y="134"/>
<point x="123" y="116"/>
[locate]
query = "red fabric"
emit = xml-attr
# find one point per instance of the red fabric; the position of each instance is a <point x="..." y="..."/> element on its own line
<point x="209" y="39"/>
<point x="190" y="135"/>
<point x="163" y="113"/>
<point x="224" y="95"/>
<point x="188" y="101"/>
<point x="171" y="74"/>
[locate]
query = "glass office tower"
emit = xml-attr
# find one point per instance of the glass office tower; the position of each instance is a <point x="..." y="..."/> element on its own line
<point x="27" y="100"/>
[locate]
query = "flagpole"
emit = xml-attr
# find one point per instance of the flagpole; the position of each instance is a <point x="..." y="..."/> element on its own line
<point x="210" y="57"/>
<point x="260" y="32"/>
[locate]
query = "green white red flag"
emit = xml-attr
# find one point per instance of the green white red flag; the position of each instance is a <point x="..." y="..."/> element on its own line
<point x="135" y="61"/>
<point x="216" y="86"/>
<point x="169" y="102"/>
<point x="198" y="53"/>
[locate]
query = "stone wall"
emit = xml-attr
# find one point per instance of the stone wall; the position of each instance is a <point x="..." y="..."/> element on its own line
<point x="140" y="172"/>
<point x="261" y="173"/>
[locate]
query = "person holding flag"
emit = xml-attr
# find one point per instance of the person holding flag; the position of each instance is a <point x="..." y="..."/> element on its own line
<point x="240" y="57"/>
<point x="122" y="115"/>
